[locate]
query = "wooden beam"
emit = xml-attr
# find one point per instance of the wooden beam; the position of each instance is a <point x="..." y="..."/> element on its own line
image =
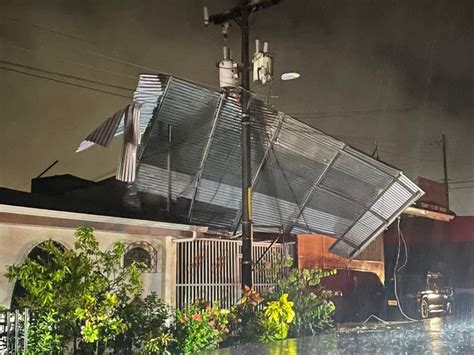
<point x="420" y="212"/>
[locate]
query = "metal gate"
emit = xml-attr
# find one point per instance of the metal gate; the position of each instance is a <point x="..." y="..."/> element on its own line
<point x="14" y="332"/>
<point x="209" y="269"/>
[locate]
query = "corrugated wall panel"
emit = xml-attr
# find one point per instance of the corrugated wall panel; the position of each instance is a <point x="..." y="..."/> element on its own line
<point x="306" y="179"/>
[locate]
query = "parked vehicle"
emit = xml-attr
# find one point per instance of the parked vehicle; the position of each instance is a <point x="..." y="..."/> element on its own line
<point x="422" y="296"/>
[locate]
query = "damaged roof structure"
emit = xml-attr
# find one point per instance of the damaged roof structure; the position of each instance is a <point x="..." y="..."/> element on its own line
<point x="303" y="179"/>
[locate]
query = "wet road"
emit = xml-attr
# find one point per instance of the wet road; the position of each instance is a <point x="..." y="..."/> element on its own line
<point x="432" y="336"/>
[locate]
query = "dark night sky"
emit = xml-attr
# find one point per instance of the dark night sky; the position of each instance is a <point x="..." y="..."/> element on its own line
<point x="396" y="72"/>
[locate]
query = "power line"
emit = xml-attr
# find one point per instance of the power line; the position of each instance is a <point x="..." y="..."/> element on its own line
<point x="354" y="113"/>
<point x="63" y="82"/>
<point x="43" y="28"/>
<point x="65" y="60"/>
<point x="460" y="181"/>
<point x="69" y="36"/>
<point x="66" y="75"/>
<point x="461" y="188"/>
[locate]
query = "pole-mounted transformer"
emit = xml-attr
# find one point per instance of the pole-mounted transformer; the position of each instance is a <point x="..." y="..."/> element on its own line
<point x="228" y="71"/>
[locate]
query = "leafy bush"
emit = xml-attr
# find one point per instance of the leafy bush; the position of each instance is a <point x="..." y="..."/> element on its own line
<point x="313" y="306"/>
<point x="150" y="323"/>
<point x="278" y="315"/>
<point x="200" y="327"/>
<point x="252" y="323"/>
<point x="245" y="323"/>
<point x="74" y="295"/>
<point x="43" y="333"/>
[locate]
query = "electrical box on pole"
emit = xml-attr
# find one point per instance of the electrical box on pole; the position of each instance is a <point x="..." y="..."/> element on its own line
<point x="262" y="64"/>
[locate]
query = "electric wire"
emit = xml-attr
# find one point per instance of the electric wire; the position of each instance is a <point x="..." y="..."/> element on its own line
<point x="406" y="251"/>
<point x="291" y="189"/>
<point x="69" y="36"/>
<point x="65" y="60"/>
<point x="461" y="188"/>
<point x="63" y="82"/>
<point x="353" y="113"/>
<point x="41" y="70"/>
<point x="272" y="178"/>
<point x="221" y="178"/>
<point x="395" y="270"/>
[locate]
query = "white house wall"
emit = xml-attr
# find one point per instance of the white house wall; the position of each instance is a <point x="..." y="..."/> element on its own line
<point x="16" y="241"/>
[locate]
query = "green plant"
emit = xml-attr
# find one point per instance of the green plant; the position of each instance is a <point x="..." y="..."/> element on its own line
<point x="278" y="315"/>
<point x="245" y="321"/>
<point x="43" y="333"/>
<point x="149" y="326"/>
<point x="313" y="304"/>
<point x="200" y="327"/>
<point x="74" y="295"/>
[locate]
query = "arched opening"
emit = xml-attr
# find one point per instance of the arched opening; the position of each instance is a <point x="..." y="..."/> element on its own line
<point x="39" y="254"/>
<point x="142" y="253"/>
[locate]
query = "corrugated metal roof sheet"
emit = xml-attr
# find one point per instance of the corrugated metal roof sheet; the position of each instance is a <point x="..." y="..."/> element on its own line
<point x="148" y="96"/>
<point x="304" y="180"/>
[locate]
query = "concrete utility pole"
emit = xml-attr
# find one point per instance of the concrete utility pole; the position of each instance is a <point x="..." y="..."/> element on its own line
<point x="240" y="15"/>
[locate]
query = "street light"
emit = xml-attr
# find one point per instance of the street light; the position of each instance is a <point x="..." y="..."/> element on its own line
<point x="289" y="76"/>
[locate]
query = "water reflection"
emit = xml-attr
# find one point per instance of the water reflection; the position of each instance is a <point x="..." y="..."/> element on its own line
<point x="432" y="336"/>
<point x="432" y="329"/>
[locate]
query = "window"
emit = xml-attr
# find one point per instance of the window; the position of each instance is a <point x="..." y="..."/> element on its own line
<point x="142" y="253"/>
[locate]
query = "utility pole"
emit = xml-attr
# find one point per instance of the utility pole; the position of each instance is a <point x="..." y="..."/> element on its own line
<point x="246" y="157"/>
<point x="445" y="167"/>
<point x="240" y="15"/>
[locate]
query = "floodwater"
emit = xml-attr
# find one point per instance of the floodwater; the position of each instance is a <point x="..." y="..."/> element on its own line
<point x="432" y="336"/>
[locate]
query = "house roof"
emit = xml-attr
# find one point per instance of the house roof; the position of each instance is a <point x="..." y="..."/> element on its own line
<point x="24" y="208"/>
<point x="303" y="179"/>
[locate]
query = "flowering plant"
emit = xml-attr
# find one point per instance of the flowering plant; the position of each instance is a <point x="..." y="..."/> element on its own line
<point x="201" y="327"/>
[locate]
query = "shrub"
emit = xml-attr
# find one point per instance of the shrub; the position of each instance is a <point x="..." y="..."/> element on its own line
<point x="251" y="323"/>
<point x="150" y="323"/>
<point x="83" y="296"/>
<point x="74" y="295"/>
<point x="277" y="317"/>
<point x="200" y="327"/>
<point x="313" y="306"/>
<point x="246" y="324"/>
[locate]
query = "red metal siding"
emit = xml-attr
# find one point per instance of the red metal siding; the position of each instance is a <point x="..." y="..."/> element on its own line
<point x="312" y="252"/>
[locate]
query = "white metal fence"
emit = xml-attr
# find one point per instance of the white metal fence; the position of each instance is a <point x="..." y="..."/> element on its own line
<point x="209" y="269"/>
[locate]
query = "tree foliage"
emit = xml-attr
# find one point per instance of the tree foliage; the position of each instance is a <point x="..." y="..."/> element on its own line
<point x="74" y="295"/>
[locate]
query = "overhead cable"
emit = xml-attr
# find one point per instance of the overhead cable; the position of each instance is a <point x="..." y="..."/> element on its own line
<point x="63" y="82"/>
